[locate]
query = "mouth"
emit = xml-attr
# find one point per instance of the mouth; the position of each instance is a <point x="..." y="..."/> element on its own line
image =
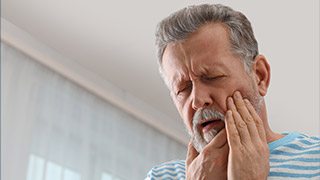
<point x="207" y="125"/>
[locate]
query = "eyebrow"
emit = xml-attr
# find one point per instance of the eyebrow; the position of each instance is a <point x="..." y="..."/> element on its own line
<point x="178" y="80"/>
<point x="211" y="69"/>
<point x="204" y="70"/>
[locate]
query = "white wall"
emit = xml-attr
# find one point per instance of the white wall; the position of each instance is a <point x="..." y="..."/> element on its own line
<point x="47" y="118"/>
<point x="287" y="32"/>
<point x="288" y="35"/>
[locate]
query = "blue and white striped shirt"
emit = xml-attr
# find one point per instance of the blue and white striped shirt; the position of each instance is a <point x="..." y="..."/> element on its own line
<point x="295" y="156"/>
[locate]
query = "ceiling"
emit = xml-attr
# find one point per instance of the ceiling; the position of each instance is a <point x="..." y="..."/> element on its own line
<point x="115" y="40"/>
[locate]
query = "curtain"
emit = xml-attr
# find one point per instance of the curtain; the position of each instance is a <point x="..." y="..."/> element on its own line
<point x="53" y="129"/>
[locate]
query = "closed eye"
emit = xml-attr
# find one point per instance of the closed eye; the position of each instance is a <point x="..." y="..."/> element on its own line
<point x="185" y="89"/>
<point x="209" y="78"/>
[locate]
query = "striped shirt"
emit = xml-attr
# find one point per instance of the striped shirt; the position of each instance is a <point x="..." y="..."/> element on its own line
<point x="295" y="156"/>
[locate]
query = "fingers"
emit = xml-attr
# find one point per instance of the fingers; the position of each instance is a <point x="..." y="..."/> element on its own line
<point x="247" y="122"/>
<point x="219" y="140"/>
<point x="231" y="129"/>
<point x="239" y="123"/>
<point x="246" y="115"/>
<point x="191" y="154"/>
<point x="257" y="119"/>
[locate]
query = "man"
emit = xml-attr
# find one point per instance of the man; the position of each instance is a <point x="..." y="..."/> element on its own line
<point x="209" y="60"/>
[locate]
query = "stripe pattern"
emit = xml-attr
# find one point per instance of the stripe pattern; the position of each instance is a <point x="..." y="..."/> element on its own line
<point x="295" y="156"/>
<point x="173" y="170"/>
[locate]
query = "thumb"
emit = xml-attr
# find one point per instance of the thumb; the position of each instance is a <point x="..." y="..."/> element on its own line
<point x="219" y="140"/>
<point x="191" y="154"/>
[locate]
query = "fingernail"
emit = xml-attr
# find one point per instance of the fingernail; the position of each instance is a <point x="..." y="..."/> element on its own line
<point x="237" y="94"/>
<point x="247" y="101"/>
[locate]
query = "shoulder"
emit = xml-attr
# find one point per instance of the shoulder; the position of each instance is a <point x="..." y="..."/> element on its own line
<point x="168" y="170"/>
<point x="297" y="145"/>
<point x="298" y="157"/>
<point x="308" y="140"/>
<point x="303" y="144"/>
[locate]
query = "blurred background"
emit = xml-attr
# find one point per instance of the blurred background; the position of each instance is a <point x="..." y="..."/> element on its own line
<point x="81" y="97"/>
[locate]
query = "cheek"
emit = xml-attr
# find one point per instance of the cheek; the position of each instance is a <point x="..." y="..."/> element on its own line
<point x="228" y="91"/>
<point x="184" y="112"/>
<point x="246" y="88"/>
<point x="187" y="115"/>
<point x="221" y="94"/>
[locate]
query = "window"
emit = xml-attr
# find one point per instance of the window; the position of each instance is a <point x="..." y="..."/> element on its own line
<point x="35" y="168"/>
<point x="108" y="176"/>
<point x="40" y="169"/>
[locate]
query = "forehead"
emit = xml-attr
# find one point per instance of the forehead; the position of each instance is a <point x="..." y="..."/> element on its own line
<point x="211" y="40"/>
<point x="204" y="49"/>
<point x="174" y="64"/>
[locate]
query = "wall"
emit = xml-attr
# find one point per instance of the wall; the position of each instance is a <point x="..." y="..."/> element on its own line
<point x="56" y="126"/>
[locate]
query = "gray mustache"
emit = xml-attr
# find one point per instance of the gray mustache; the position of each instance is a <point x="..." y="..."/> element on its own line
<point x="206" y="113"/>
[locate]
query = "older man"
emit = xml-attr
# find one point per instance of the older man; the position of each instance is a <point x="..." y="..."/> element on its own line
<point x="209" y="59"/>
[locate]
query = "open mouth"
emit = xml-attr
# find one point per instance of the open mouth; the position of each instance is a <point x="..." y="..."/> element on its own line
<point x="207" y="123"/>
<point x="206" y="126"/>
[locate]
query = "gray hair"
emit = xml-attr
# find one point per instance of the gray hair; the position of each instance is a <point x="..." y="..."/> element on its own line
<point x="179" y="25"/>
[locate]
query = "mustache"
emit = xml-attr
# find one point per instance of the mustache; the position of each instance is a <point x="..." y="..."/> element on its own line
<point x="206" y="114"/>
<point x="200" y="140"/>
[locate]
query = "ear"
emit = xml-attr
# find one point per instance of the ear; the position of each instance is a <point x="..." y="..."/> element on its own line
<point x="261" y="70"/>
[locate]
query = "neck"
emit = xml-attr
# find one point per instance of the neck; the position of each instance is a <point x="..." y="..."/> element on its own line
<point x="270" y="135"/>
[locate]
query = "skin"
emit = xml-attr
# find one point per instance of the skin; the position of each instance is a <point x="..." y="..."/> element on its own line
<point x="202" y="71"/>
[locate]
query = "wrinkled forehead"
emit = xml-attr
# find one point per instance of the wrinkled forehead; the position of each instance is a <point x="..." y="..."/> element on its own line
<point x="202" y="50"/>
<point x="174" y="63"/>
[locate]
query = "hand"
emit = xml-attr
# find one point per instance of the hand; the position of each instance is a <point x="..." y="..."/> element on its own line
<point x="248" y="149"/>
<point x="211" y="163"/>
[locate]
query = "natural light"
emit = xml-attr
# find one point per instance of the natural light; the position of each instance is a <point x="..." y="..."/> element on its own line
<point x="40" y="169"/>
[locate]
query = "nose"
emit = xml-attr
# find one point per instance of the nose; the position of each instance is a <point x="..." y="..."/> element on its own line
<point x="200" y="97"/>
